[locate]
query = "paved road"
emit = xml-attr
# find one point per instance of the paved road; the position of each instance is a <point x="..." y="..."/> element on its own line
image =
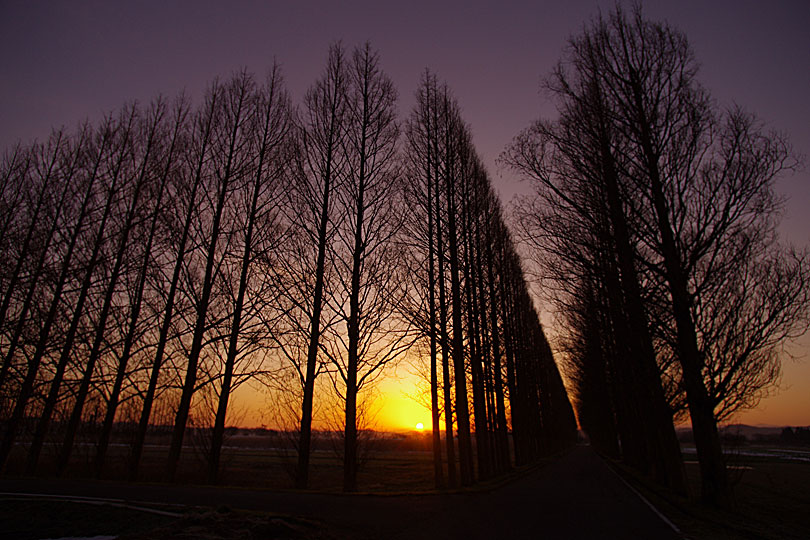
<point x="576" y="496"/>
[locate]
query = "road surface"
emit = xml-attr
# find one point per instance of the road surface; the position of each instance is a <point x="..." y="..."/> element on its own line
<point x="575" y="496"/>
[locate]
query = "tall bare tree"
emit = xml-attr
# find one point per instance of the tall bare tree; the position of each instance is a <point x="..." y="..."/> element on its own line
<point x="195" y="142"/>
<point x="92" y="153"/>
<point x="318" y="168"/>
<point x="366" y="256"/>
<point x="456" y="139"/>
<point x="271" y="126"/>
<point x="162" y="139"/>
<point x="139" y="171"/>
<point x="690" y="206"/>
<point x="228" y="165"/>
<point x="420" y="133"/>
<point x="112" y="171"/>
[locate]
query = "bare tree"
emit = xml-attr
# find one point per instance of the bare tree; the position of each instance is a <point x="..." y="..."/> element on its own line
<point x="650" y="72"/>
<point x="109" y="165"/>
<point x="440" y="152"/>
<point x="165" y="161"/>
<point x="456" y="141"/>
<point x="366" y="255"/>
<point x="58" y="161"/>
<point x="420" y="132"/>
<point x="690" y="208"/>
<point x="272" y="122"/>
<point x="228" y="162"/>
<point x="137" y="182"/>
<point x="190" y="180"/>
<point x="318" y="163"/>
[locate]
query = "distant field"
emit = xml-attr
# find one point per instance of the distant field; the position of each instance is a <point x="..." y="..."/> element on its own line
<point x="751" y="452"/>
<point x="390" y="462"/>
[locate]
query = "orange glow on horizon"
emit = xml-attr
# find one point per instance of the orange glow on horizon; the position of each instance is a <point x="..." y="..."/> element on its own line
<point x="397" y="409"/>
<point x="394" y="407"/>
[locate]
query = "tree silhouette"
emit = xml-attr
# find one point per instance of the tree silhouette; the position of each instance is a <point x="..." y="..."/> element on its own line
<point x="365" y="256"/>
<point x="318" y="170"/>
<point x="174" y="252"/>
<point x="272" y="121"/>
<point x="674" y="206"/>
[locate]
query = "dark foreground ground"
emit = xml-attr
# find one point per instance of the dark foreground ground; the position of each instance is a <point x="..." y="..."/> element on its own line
<point x="574" y="496"/>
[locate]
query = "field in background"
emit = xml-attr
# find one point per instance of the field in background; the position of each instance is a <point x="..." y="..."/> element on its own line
<point x="258" y="458"/>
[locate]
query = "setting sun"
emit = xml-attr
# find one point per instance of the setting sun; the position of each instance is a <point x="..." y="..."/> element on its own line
<point x="398" y="409"/>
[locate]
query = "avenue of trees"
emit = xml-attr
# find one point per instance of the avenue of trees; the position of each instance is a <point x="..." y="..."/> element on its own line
<point x="654" y="228"/>
<point x="157" y="261"/>
<point x="470" y="300"/>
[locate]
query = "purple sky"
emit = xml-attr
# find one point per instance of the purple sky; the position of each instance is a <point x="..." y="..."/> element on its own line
<point x="62" y="62"/>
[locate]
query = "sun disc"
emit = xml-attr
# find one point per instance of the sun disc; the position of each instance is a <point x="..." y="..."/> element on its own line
<point x="420" y="426"/>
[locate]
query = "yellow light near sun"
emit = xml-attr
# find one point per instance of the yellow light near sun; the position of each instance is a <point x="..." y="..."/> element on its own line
<point x="398" y="410"/>
<point x="394" y="407"/>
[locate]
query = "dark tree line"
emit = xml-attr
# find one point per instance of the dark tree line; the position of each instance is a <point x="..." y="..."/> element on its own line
<point x="155" y="262"/>
<point x="491" y="368"/>
<point x="148" y="259"/>
<point x="655" y="225"/>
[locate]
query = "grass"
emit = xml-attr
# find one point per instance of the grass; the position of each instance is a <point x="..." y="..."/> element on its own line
<point x="398" y="464"/>
<point x="771" y="500"/>
<point x="36" y="519"/>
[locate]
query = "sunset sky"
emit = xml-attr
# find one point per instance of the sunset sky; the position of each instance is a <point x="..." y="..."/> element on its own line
<point x="62" y="62"/>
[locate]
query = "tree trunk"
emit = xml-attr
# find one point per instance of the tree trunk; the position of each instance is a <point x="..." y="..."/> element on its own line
<point x="502" y="435"/>
<point x="443" y="337"/>
<point x="190" y="380"/>
<point x="474" y="338"/>
<point x="438" y="473"/>
<point x="258" y="182"/>
<point x="334" y="87"/>
<point x="460" y="375"/>
<point x="506" y="306"/>
<point x="101" y="325"/>
<point x="714" y="478"/>
<point x="67" y="349"/>
<point x="233" y="339"/>
<point x="163" y="337"/>
<point x="667" y="456"/>
<point x="135" y="309"/>
<point x="353" y="324"/>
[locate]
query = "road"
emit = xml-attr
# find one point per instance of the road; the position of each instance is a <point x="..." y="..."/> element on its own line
<point x="575" y="496"/>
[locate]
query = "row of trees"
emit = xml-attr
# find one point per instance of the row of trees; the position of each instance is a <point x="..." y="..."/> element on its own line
<point x="134" y="246"/>
<point x="170" y="254"/>
<point x="470" y="301"/>
<point x="655" y="225"/>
